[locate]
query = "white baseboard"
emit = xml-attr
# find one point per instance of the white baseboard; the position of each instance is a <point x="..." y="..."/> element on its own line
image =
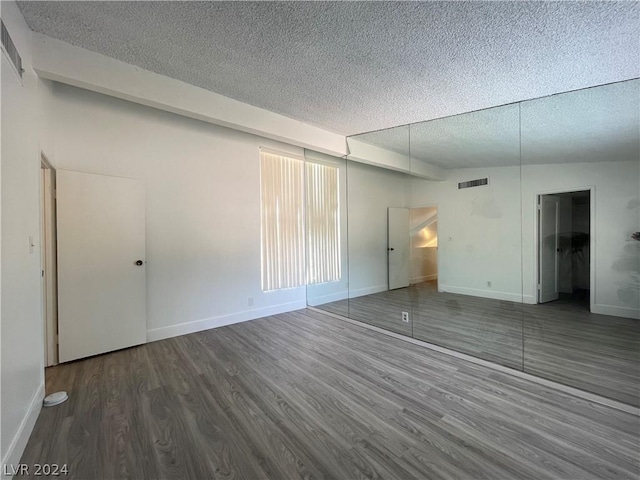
<point x="424" y="278"/>
<point x="511" y="297"/>
<point x="222" y="320"/>
<point x="19" y="442"/>
<point x="331" y="297"/>
<point x="529" y="299"/>
<point x="360" y="292"/>
<point x="616" y="311"/>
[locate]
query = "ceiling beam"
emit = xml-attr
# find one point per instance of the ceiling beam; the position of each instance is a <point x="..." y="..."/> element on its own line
<point x="61" y="62"/>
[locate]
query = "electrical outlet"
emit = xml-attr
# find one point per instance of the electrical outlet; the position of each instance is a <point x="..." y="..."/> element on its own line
<point x="250" y="301"/>
<point x="405" y="317"/>
<point x="488" y="284"/>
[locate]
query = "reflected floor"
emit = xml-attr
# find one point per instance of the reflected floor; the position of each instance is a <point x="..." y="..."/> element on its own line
<point x="382" y="309"/>
<point x="482" y="327"/>
<point x="566" y="343"/>
<point x="562" y="341"/>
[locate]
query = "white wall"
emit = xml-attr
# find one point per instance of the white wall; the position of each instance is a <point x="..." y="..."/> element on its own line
<point x="617" y="216"/>
<point x="371" y="191"/>
<point x="22" y="370"/>
<point x="478" y="232"/>
<point x="202" y="201"/>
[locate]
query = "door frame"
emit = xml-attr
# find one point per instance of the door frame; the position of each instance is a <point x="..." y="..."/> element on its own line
<point x="592" y="240"/>
<point x="48" y="256"/>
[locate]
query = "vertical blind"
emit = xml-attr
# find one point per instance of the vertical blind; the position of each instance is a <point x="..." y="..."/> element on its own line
<point x="282" y="222"/>
<point x="283" y="200"/>
<point x="323" y="224"/>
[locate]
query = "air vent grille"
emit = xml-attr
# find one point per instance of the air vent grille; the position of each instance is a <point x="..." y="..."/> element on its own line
<point x="10" y="49"/>
<point x="473" y="183"/>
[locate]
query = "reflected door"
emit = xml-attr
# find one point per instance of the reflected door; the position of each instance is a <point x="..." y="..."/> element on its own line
<point x="548" y="270"/>
<point x="399" y="247"/>
<point x="101" y="272"/>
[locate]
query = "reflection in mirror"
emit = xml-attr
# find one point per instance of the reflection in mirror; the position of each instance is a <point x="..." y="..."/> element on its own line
<point x="326" y="232"/>
<point x="379" y="247"/>
<point x="387" y="148"/>
<point x="424" y="244"/>
<point x="481" y="139"/>
<point x="473" y="304"/>
<point x="522" y="224"/>
<point x="580" y="183"/>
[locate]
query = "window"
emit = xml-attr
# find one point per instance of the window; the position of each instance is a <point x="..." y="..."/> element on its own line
<point x="282" y="222"/>
<point x="283" y="201"/>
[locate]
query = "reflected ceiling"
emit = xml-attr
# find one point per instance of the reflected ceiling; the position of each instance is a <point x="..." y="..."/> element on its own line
<point x="591" y="125"/>
<point x="487" y="138"/>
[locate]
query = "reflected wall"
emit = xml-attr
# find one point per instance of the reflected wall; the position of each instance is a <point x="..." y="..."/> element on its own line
<point x="581" y="172"/>
<point x="374" y="192"/>
<point x="474" y="304"/>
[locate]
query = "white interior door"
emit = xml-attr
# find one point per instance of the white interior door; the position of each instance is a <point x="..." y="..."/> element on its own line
<point x="549" y="262"/>
<point x="101" y="271"/>
<point x="399" y="247"/>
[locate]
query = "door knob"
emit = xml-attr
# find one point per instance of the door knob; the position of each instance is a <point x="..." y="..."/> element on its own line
<point x="139" y="262"/>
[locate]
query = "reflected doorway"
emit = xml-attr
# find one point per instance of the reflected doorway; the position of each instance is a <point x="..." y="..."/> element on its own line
<point x="564" y="248"/>
<point x="424" y="247"/>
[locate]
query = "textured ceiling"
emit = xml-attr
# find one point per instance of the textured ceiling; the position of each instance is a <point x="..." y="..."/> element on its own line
<point x="352" y="67"/>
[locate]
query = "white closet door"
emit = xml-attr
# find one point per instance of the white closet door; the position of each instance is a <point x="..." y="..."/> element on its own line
<point x="101" y="269"/>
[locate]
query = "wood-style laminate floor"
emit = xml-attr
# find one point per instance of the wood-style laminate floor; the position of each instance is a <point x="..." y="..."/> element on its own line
<point x="304" y="395"/>
<point x="561" y="341"/>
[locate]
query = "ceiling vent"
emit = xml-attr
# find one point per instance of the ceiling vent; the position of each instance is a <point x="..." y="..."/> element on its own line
<point x="473" y="183"/>
<point x="10" y="49"/>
